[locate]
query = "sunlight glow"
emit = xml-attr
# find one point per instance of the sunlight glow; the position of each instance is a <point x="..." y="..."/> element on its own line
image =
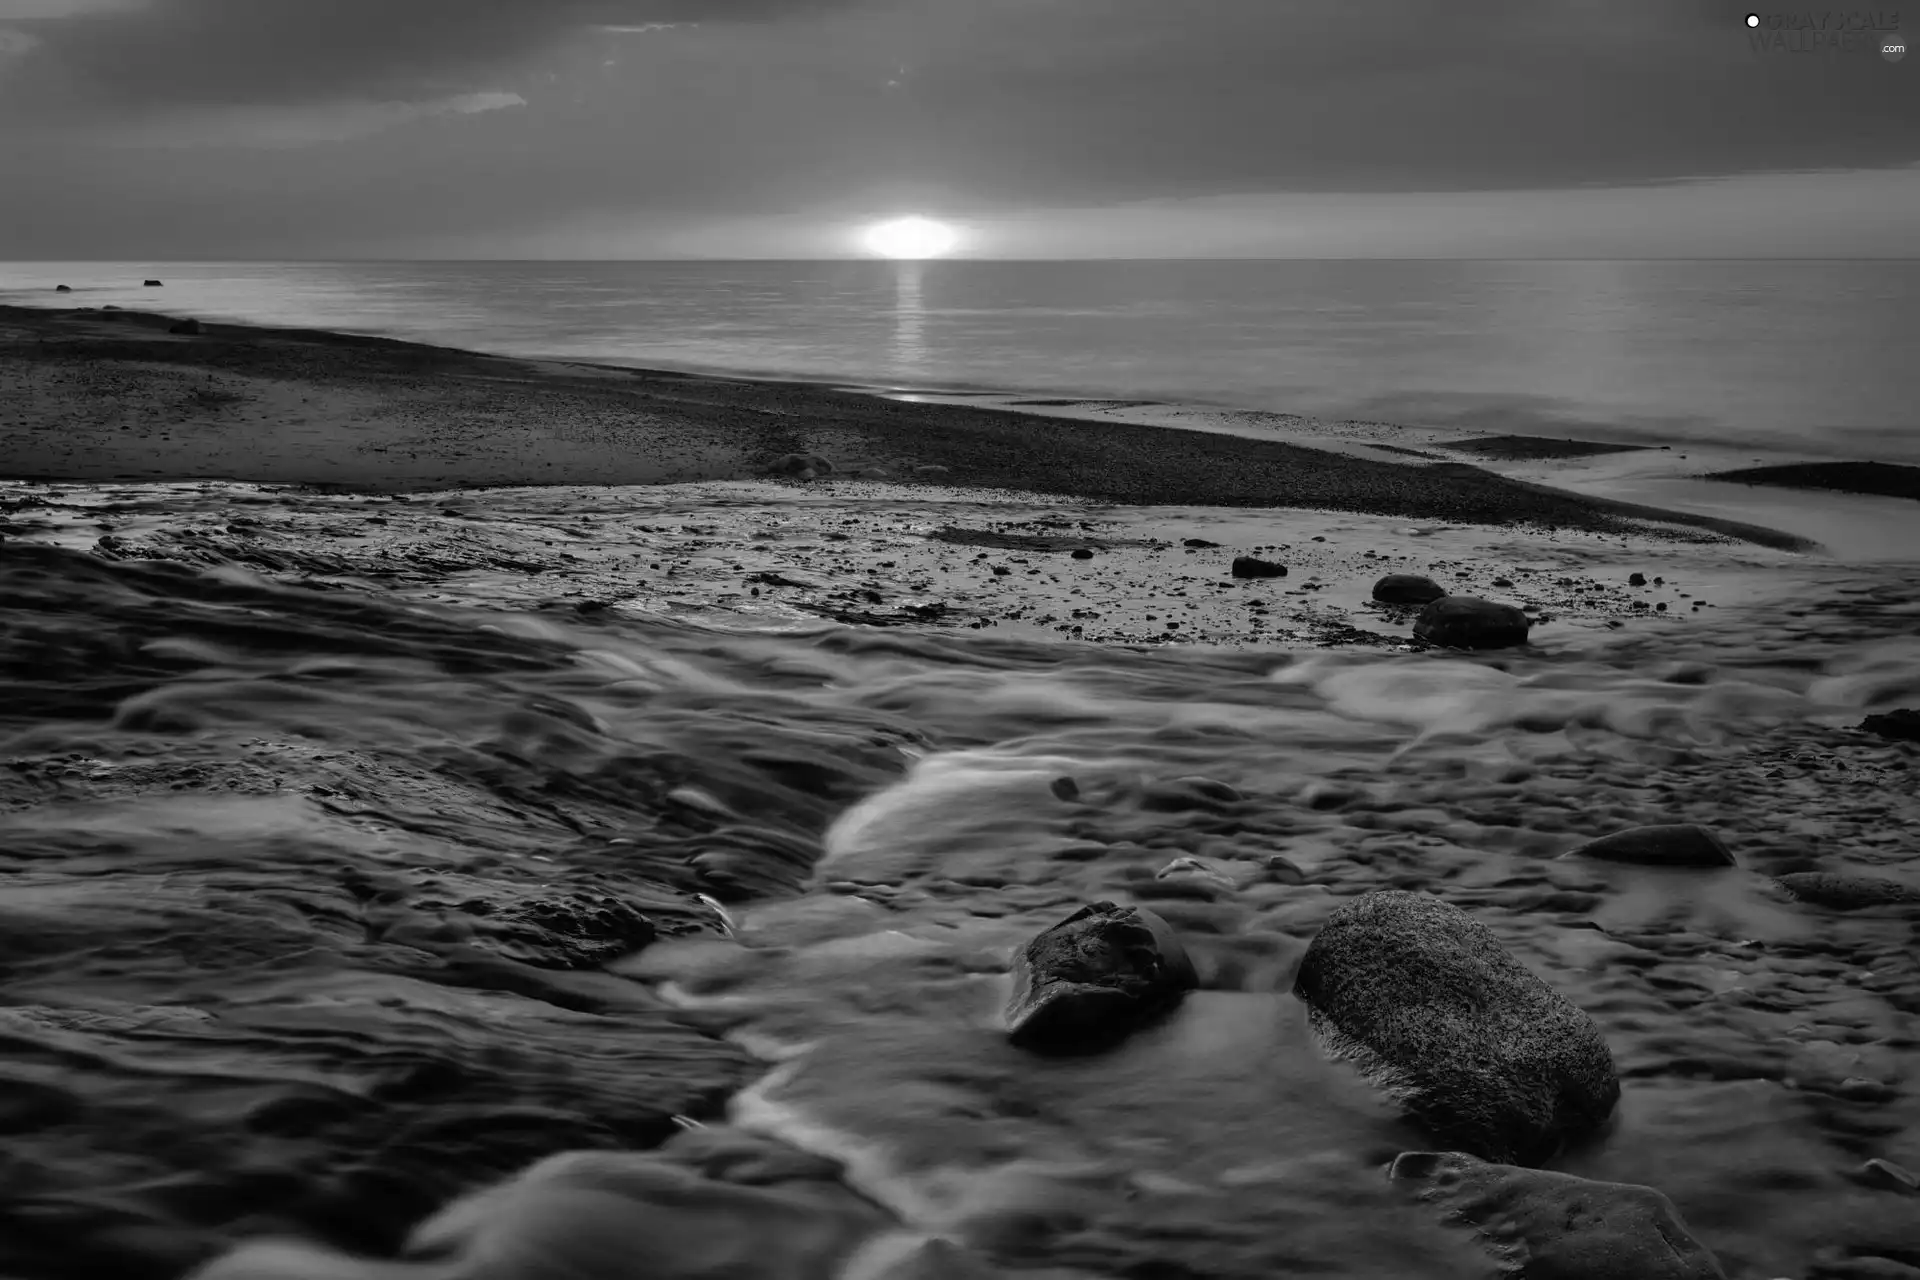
<point x="910" y="238"/>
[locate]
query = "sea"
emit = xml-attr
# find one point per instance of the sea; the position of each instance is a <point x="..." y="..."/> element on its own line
<point x="1804" y="357"/>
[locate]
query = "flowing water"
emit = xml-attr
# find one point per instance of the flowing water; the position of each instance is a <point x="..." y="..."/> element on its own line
<point x="320" y="907"/>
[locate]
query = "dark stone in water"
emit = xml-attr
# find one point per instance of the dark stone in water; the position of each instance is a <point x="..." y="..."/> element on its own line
<point x="1846" y="892"/>
<point x="1468" y="622"/>
<point x="1678" y="844"/>
<point x="1081" y="553"/>
<point x="1902" y="725"/>
<point x="1636" y="579"/>
<point x="152" y="284"/>
<point x="1555" y="1226"/>
<point x="63" y="288"/>
<point x="1064" y="788"/>
<point x="184" y="326"/>
<point x="1430" y="1007"/>
<point x="1407" y="588"/>
<point x="1100" y="973"/>
<point x="1198" y="543"/>
<point x="1254" y="567"/>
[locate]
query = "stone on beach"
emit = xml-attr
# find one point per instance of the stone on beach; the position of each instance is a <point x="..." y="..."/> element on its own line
<point x="1087" y="981"/>
<point x="1468" y="622"/>
<point x="1555" y="1226"/>
<point x="1407" y="588"/>
<point x="1432" y="1009"/>
<point x="1668" y="844"/>
<point x="1843" y="892"/>
<point x="1255" y="567"/>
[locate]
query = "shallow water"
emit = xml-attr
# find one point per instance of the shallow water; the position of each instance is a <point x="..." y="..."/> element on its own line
<point x="301" y="928"/>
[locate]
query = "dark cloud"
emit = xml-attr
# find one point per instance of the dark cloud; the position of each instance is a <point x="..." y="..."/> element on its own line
<point x="207" y="52"/>
<point x="768" y="106"/>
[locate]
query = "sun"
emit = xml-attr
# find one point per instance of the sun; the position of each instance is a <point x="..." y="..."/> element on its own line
<point x="910" y="238"/>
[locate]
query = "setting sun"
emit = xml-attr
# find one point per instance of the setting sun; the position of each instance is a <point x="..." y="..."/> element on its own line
<point x="910" y="238"/>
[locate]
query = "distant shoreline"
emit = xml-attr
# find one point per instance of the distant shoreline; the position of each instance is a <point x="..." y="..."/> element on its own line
<point x="112" y="395"/>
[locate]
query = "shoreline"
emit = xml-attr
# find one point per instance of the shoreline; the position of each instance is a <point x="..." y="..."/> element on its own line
<point x="114" y="396"/>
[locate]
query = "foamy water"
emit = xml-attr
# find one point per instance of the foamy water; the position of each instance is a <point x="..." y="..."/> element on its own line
<point x="248" y="991"/>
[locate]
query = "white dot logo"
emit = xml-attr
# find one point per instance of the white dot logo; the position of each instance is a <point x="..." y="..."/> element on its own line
<point x="1753" y="19"/>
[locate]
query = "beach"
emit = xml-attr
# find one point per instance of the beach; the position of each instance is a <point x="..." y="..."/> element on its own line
<point x="418" y="763"/>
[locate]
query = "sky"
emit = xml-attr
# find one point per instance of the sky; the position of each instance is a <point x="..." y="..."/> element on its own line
<point x="217" y="129"/>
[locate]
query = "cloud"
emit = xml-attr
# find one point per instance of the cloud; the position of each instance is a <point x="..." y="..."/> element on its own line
<point x="238" y="52"/>
<point x="295" y="126"/>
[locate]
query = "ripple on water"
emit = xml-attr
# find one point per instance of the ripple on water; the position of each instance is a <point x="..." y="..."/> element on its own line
<point x="274" y="857"/>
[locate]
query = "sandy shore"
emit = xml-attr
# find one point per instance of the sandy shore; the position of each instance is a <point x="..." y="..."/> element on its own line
<point x="113" y="395"/>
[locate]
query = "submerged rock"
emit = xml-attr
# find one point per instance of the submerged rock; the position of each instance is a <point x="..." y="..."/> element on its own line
<point x="1468" y="622"/>
<point x="1180" y="795"/>
<point x="1554" y="1226"/>
<point x="1407" y="588"/>
<point x="1255" y="567"/>
<point x="1673" y="844"/>
<point x="1902" y="725"/>
<point x="1097" y="975"/>
<point x="1430" y="1007"/>
<point x="1846" y="892"/>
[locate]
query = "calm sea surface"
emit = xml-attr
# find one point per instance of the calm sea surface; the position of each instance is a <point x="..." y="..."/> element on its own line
<point x="1815" y="357"/>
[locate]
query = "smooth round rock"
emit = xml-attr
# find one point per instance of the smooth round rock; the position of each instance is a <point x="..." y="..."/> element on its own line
<point x="1555" y="1226"/>
<point x="1088" y="981"/>
<point x="1407" y="588"/>
<point x="1468" y="622"/>
<point x="1673" y="844"/>
<point x="1432" y="1010"/>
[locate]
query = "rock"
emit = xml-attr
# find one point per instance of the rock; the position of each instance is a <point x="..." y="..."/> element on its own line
<point x="1677" y="844"/>
<point x="871" y="473"/>
<point x="1902" y="725"/>
<point x="1554" y="1226"/>
<point x="152" y="284"/>
<point x="1407" y="588"/>
<point x="1254" y="567"/>
<point x="63" y="288"/>
<point x="1064" y="788"/>
<point x="1845" y="892"/>
<point x="1180" y="795"/>
<point x="1429" y="1006"/>
<point x="803" y="466"/>
<point x="931" y="469"/>
<point x="1100" y="973"/>
<point x="184" y="326"/>
<point x="1468" y="622"/>
<point x="1636" y="579"/>
<point x="1081" y="553"/>
<point x="1198" y="543"/>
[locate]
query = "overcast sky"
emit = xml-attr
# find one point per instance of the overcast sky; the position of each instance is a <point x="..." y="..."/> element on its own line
<point x="643" y="128"/>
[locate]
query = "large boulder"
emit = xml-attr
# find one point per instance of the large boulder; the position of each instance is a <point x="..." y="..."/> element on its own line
<point x="1407" y="588"/>
<point x="1901" y="724"/>
<point x="1671" y="844"/>
<point x="1464" y="1039"/>
<point x="1468" y="622"/>
<point x="1086" y="982"/>
<point x="1554" y="1226"/>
